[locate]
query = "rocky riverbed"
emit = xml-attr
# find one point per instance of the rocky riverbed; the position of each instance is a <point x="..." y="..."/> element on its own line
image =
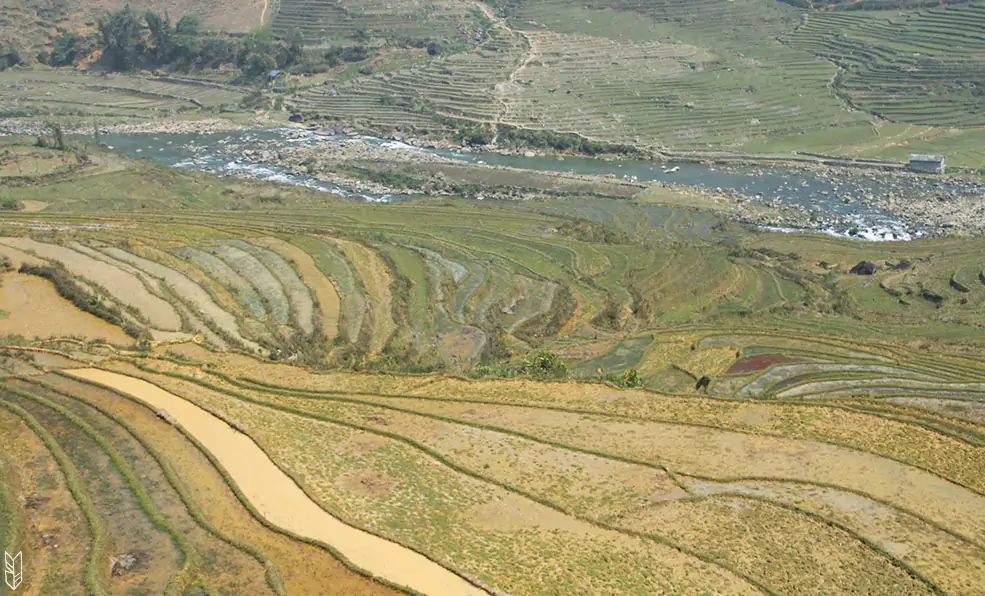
<point x="865" y="203"/>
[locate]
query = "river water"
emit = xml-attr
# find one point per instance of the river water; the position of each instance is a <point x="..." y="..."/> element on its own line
<point x="839" y="201"/>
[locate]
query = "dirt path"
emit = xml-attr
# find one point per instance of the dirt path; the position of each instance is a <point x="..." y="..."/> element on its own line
<point x="281" y="502"/>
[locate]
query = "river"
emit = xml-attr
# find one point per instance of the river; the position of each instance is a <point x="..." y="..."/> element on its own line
<point x="843" y="201"/>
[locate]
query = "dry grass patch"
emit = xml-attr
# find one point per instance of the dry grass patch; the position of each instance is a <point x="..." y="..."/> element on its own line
<point x="725" y="454"/>
<point x="783" y="549"/>
<point x="950" y="563"/>
<point x="56" y="545"/>
<point x="914" y="444"/>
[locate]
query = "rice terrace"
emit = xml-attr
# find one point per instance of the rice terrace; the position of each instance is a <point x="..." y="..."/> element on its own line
<point x="517" y="297"/>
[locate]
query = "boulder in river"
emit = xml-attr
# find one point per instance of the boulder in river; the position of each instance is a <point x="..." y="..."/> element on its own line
<point x="864" y="268"/>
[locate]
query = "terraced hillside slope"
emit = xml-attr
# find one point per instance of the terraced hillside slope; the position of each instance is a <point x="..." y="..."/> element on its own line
<point x="499" y="484"/>
<point x="751" y="77"/>
<point x="236" y="388"/>
<point x="755" y="76"/>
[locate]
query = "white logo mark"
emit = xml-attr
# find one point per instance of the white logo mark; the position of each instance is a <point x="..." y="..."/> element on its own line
<point x="13" y="570"/>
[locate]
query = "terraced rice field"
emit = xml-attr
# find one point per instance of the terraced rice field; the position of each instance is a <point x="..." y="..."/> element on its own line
<point x="756" y="76"/>
<point x="921" y="67"/>
<point x="457" y="86"/>
<point x="418" y="280"/>
<point x="305" y="387"/>
<point x="660" y="73"/>
<point x="113" y="95"/>
<point x="621" y="488"/>
<point x="318" y="21"/>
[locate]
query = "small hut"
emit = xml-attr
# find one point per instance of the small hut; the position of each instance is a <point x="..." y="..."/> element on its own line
<point x="932" y="164"/>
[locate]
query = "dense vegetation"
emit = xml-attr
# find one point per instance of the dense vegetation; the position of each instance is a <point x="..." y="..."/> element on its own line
<point x="130" y="41"/>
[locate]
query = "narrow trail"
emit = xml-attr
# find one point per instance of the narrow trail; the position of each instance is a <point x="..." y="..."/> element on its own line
<point x="279" y="500"/>
<point x="527" y="56"/>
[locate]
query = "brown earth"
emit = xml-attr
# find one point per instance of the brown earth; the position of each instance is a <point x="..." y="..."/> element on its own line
<point x="34" y="309"/>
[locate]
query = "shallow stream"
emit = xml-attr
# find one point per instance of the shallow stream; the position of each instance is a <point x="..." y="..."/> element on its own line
<point x="839" y="200"/>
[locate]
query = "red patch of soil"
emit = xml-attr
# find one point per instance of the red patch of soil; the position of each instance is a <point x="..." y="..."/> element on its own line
<point x="759" y="362"/>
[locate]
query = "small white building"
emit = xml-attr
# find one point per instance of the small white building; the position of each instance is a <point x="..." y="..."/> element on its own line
<point x="933" y="164"/>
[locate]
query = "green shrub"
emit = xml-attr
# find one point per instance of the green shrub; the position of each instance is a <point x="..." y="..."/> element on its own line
<point x="632" y="378"/>
<point x="545" y="365"/>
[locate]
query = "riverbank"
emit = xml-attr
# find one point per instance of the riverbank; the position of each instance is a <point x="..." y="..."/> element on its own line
<point x="863" y="203"/>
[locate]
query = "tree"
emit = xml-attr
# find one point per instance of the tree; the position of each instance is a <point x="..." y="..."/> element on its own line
<point x="256" y="58"/>
<point x="122" y="41"/>
<point x="190" y="24"/>
<point x="65" y="49"/>
<point x="161" y="34"/>
<point x="632" y="378"/>
<point x="9" y="56"/>
<point x="292" y="51"/>
<point x="546" y="364"/>
<point x="216" y="51"/>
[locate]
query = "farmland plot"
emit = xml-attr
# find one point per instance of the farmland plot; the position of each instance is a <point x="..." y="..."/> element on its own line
<point x="325" y="294"/>
<point x="250" y="268"/>
<point x="298" y="294"/>
<point x="189" y="291"/>
<point x="124" y="287"/>
<point x="228" y="277"/>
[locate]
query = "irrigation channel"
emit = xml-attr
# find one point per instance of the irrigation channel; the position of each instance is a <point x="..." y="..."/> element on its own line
<point x="280" y="501"/>
<point x="845" y="202"/>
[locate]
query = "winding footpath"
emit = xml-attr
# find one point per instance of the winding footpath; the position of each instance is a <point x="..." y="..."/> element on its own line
<point x="281" y="501"/>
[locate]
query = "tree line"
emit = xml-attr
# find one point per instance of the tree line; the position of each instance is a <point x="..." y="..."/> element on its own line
<point x="130" y="41"/>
